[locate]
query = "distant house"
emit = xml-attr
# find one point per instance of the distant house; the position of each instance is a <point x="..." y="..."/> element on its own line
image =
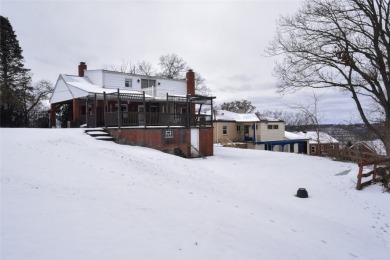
<point x="142" y="110"/>
<point x="320" y="143"/>
<point x="255" y="131"/>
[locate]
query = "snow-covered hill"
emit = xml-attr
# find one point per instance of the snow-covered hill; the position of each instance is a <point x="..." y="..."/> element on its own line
<point x="65" y="195"/>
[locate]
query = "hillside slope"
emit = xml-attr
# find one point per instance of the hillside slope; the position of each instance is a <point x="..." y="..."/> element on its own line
<point x="65" y="195"/>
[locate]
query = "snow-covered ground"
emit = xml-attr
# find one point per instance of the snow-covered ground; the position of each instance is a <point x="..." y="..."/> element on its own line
<point x="65" y="195"/>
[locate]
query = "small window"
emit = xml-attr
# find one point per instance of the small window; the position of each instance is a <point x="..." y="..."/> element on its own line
<point x="224" y="130"/>
<point x="128" y="83"/>
<point x="270" y="127"/>
<point x="313" y="149"/>
<point x="322" y="148"/>
<point x="238" y="128"/>
<point x="169" y="133"/>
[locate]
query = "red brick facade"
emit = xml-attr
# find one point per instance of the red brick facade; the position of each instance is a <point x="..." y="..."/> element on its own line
<point x="163" y="140"/>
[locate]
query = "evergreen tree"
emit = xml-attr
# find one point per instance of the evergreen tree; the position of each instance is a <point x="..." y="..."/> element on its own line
<point x="15" y="80"/>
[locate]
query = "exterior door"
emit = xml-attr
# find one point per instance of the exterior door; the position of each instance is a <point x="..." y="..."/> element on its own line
<point x="195" y="138"/>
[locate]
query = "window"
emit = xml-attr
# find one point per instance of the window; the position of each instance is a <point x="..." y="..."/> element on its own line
<point x="270" y="127"/>
<point x="224" y="130"/>
<point x="169" y="133"/>
<point x="128" y="83"/>
<point x="123" y="107"/>
<point x="153" y="109"/>
<point x="238" y="128"/>
<point x="148" y="83"/>
<point x="322" y="148"/>
<point x="182" y="110"/>
<point x="313" y="149"/>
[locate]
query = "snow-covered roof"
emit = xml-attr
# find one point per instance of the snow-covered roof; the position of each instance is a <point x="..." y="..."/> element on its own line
<point x="224" y="115"/>
<point x="69" y="87"/>
<point x="312" y="136"/>
<point x="293" y="136"/>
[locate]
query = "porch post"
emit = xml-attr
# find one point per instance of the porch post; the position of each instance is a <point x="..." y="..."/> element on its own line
<point x="119" y="111"/>
<point x="104" y="109"/>
<point x="86" y="111"/>
<point x="52" y="115"/>
<point x="76" y="111"/>
<point x="167" y="111"/>
<point x="254" y="131"/>
<point x="95" y="109"/>
<point x="144" y="104"/>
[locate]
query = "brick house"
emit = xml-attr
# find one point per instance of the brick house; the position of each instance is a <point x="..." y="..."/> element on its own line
<point x="135" y="109"/>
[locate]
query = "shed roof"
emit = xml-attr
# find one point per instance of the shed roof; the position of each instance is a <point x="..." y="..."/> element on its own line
<point x="312" y="136"/>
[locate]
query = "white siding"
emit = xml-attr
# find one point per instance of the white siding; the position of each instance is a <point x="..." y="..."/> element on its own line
<point x="271" y="134"/>
<point x="172" y="87"/>
<point x="114" y="80"/>
<point x="61" y="92"/>
<point x="96" y="76"/>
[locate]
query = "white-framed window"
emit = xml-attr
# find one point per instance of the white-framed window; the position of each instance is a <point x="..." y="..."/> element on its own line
<point x="224" y="130"/>
<point x="168" y="133"/>
<point x="274" y="127"/>
<point x="148" y="83"/>
<point x="128" y="83"/>
<point x="313" y="149"/>
<point x="322" y="148"/>
<point x="238" y="128"/>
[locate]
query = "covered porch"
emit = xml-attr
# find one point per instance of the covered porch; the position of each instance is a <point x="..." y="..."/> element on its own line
<point x="124" y="109"/>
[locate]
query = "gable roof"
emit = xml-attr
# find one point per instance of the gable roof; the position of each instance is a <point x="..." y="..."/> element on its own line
<point x="69" y="87"/>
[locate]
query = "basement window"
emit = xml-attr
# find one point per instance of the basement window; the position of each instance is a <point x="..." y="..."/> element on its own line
<point x="168" y="133"/>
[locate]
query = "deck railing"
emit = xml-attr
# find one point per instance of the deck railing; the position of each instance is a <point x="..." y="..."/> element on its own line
<point x="122" y="119"/>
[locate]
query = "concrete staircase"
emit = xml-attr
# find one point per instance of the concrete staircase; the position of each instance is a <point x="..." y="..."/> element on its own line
<point x="99" y="134"/>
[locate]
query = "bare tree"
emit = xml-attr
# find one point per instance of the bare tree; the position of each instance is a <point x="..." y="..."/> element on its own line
<point x="172" y="66"/>
<point x="125" y="67"/>
<point x="339" y="44"/>
<point x="200" y="85"/>
<point x="312" y="116"/>
<point x="145" y="68"/>
<point x="31" y="96"/>
<point x="296" y="121"/>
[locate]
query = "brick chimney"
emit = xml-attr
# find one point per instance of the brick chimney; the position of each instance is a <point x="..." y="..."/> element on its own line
<point x="190" y="82"/>
<point x="82" y="67"/>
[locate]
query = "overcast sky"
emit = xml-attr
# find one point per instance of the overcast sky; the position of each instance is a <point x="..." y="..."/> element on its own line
<point x="222" y="40"/>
